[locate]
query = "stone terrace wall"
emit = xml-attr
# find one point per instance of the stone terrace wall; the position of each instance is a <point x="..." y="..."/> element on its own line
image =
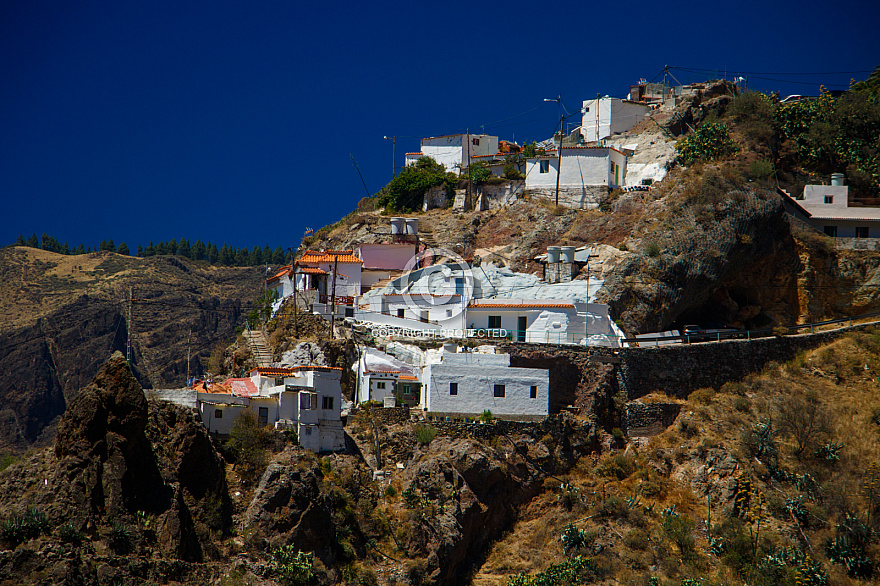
<point x="387" y="415"/>
<point x="644" y="420"/>
<point x="675" y="369"/>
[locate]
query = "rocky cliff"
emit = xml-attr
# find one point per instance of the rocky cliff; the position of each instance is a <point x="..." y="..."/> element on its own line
<point x="62" y="316"/>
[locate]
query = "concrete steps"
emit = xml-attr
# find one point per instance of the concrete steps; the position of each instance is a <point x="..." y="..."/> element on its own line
<point x="260" y="348"/>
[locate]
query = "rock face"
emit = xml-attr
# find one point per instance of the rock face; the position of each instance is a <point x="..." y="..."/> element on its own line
<point x="63" y="315"/>
<point x="120" y="459"/>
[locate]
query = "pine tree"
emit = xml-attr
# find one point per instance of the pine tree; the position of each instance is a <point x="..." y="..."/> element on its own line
<point x="241" y="257"/>
<point x="123" y="249"/>
<point x="161" y="248"/>
<point x="267" y="254"/>
<point x="20" y="241"/>
<point x="150" y="250"/>
<point x="183" y="248"/>
<point x="278" y="256"/>
<point x="198" y="251"/>
<point x="33" y="242"/>
<point x="255" y="258"/>
<point x="171" y="247"/>
<point x="140" y="251"/>
<point x="213" y="253"/>
<point x="81" y="249"/>
<point x="111" y="246"/>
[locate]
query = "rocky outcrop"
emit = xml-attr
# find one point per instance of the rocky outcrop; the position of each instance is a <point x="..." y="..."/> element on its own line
<point x="121" y="460"/>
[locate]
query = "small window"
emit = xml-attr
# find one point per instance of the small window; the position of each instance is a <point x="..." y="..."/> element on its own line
<point x="305" y="401"/>
<point x="380" y="385"/>
<point x="861" y="231"/>
<point x="407" y="389"/>
<point x="533" y="394"/>
<point x="349" y="312"/>
<point x="647" y="181"/>
<point x="588" y="109"/>
<point x="830" y="231"/>
<point x="829" y="199"/>
<point x="448" y="313"/>
<point x="424" y="317"/>
<point x="309" y="430"/>
<point x="475" y="141"/>
<point x="400" y="312"/>
<point x="544" y="166"/>
<point x="499" y="391"/>
<point x="218" y="413"/>
<point x="453" y="388"/>
<point x="263" y="415"/>
<point x="326" y="402"/>
<point x="494" y="321"/>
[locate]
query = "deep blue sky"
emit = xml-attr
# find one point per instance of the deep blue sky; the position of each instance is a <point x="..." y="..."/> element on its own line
<point x="235" y="121"/>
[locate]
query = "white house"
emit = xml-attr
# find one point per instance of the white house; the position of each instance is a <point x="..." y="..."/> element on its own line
<point x="315" y="268"/>
<point x="603" y="117"/>
<point x="455" y="151"/>
<point x="380" y="375"/>
<point x="829" y="211"/>
<point x="588" y="173"/>
<point x="466" y="384"/>
<point x="306" y="399"/>
<point x="382" y="260"/>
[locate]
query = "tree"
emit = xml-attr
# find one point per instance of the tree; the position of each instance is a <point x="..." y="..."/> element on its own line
<point x="804" y="419"/>
<point x="247" y="443"/>
<point x="33" y="242"/>
<point x="123" y="249"/>
<point x="479" y="172"/>
<point x="171" y="247"/>
<point x="140" y="250"/>
<point x="278" y="256"/>
<point x="183" y="248"/>
<point x="710" y="141"/>
<point x="406" y="192"/>
<point x="213" y="253"/>
<point x="20" y="241"/>
<point x="198" y="251"/>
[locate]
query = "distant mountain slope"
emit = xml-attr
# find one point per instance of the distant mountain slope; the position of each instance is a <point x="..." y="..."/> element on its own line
<point x="62" y="316"/>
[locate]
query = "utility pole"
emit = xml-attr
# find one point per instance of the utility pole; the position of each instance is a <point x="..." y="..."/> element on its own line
<point x="558" y="101"/>
<point x="188" y="340"/>
<point x="393" y="140"/>
<point x="128" y="329"/>
<point x="333" y="297"/>
<point x="468" y="139"/>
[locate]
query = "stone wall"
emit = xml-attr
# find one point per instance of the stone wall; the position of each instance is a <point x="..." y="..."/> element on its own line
<point x="579" y="198"/>
<point x="675" y="369"/>
<point x="493" y="197"/>
<point x="435" y="197"/>
<point x="556" y="426"/>
<point x="645" y="420"/>
<point x="387" y="415"/>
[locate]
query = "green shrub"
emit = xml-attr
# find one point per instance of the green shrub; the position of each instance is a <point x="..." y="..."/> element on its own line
<point x="6" y="460"/>
<point x="742" y="404"/>
<point x="710" y="141"/>
<point x="486" y="416"/>
<point x="761" y="169"/>
<point x="390" y="492"/>
<point x="652" y="249"/>
<point x="119" y="532"/>
<point x="680" y="530"/>
<point x="247" y="444"/>
<point x="425" y="433"/>
<point x="619" y="466"/>
<point x="29" y="525"/>
<point x="407" y="190"/>
<point x="292" y="567"/>
<point x="70" y="534"/>
<point x="577" y="570"/>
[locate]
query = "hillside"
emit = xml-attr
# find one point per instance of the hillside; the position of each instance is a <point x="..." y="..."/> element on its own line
<point x="62" y="316"/>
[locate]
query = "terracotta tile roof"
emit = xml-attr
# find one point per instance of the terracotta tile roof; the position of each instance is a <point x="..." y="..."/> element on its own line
<point x="316" y="367"/>
<point x="311" y="270"/>
<point x="413" y="154"/>
<point x="375" y="371"/>
<point x="272" y="371"/>
<point x="285" y="270"/>
<point x="519" y="305"/>
<point x="417" y="294"/>
<point x="408" y="377"/>
<point x="242" y="387"/>
<point x="329" y="256"/>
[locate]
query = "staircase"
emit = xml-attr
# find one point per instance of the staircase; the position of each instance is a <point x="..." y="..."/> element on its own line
<point x="260" y="348"/>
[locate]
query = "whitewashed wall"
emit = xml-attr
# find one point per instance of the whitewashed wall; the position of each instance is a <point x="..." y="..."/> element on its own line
<point x="614" y="116"/>
<point x="386" y="256"/>
<point x="476" y="389"/>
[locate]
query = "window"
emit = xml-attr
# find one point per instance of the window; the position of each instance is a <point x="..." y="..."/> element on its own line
<point x="448" y="313"/>
<point x="308" y="401"/>
<point x="544" y="166"/>
<point x="349" y="312"/>
<point x="407" y="389"/>
<point x="499" y="391"/>
<point x="533" y="394"/>
<point x="494" y="321"/>
<point x="326" y="402"/>
<point x="829" y="199"/>
<point x="424" y="317"/>
<point x="218" y="413"/>
<point x="309" y="430"/>
<point x="588" y="109"/>
<point x="380" y="385"/>
<point x="861" y="231"/>
<point x="453" y="388"/>
<point x="400" y="312"/>
<point x="647" y="181"/>
<point x="263" y="415"/>
<point x="475" y="141"/>
<point x="830" y="231"/>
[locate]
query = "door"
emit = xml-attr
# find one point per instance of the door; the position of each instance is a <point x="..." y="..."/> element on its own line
<point x="521" y="329"/>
